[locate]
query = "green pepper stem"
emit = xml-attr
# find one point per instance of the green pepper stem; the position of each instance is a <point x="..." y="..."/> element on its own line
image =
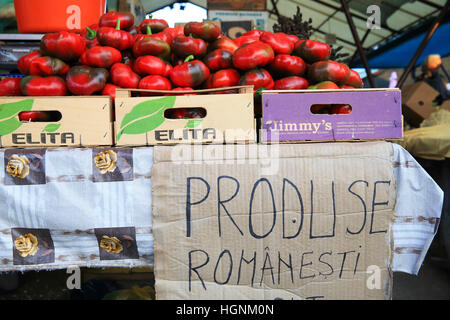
<point x="189" y="58"/>
<point x="149" y="30"/>
<point x="118" y="24"/>
<point x="91" y="34"/>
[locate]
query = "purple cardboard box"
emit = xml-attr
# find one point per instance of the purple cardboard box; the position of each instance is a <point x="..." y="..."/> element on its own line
<point x="376" y="114"/>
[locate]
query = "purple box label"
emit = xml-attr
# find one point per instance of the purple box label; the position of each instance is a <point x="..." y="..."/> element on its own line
<point x="375" y="115"/>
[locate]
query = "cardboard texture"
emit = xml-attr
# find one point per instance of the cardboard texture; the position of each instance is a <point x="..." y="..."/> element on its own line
<point x="417" y="102"/>
<point x="273" y="221"/>
<point x="85" y="121"/>
<point x="143" y="121"/>
<point x="286" y="116"/>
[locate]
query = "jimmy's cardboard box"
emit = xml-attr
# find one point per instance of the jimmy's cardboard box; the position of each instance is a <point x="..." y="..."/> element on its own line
<point x="78" y="121"/>
<point x="155" y="120"/>
<point x="288" y="115"/>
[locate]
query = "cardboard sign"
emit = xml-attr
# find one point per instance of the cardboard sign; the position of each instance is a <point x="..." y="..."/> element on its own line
<point x="255" y="5"/>
<point x="234" y="29"/>
<point x="307" y="221"/>
<point x="84" y="121"/>
<point x="259" y="18"/>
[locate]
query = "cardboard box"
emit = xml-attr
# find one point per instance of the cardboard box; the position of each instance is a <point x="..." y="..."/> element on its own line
<point x="285" y="221"/>
<point x="417" y="102"/>
<point x="85" y="121"/>
<point x="286" y="115"/>
<point x="144" y="121"/>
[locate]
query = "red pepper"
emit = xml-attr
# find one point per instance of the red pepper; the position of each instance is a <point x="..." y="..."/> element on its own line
<point x="48" y="66"/>
<point x="341" y="109"/>
<point x="185" y="46"/>
<point x="324" y="85"/>
<point x="218" y="59"/>
<point x="240" y="41"/>
<point x="110" y="20"/>
<point x="43" y="86"/>
<point x="174" y="32"/>
<point x="254" y="33"/>
<point x="253" y="55"/>
<point x="259" y="78"/>
<point x="190" y="73"/>
<point x="354" y="80"/>
<point x="182" y="89"/>
<point x="329" y="70"/>
<point x="114" y="37"/>
<point x="34" y="116"/>
<point x="67" y="46"/>
<point x="206" y="30"/>
<point x="285" y="65"/>
<point x="151" y="46"/>
<point x="124" y="77"/>
<point x="280" y="43"/>
<point x="291" y="83"/>
<point x="155" y="82"/>
<point x="110" y="90"/>
<point x="10" y="87"/>
<point x="163" y="36"/>
<point x="223" y="43"/>
<point x="89" y="34"/>
<point x="157" y="25"/>
<point x="312" y="51"/>
<point x="84" y="80"/>
<point x="101" y="57"/>
<point x="150" y="65"/>
<point x="293" y="38"/>
<point x="23" y="64"/>
<point x="223" y="78"/>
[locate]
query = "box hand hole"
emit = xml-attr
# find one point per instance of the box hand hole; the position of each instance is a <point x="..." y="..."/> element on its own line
<point x="185" y="113"/>
<point x="40" y="116"/>
<point x="339" y="108"/>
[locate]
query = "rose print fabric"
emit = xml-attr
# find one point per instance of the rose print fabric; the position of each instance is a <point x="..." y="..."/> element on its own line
<point x="89" y="207"/>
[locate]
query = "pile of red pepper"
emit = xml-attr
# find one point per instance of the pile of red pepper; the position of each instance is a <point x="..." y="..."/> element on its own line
<point x="117" y="54"/>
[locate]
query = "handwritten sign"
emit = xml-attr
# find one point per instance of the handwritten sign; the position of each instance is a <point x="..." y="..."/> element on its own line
<point x="315" y="226"/>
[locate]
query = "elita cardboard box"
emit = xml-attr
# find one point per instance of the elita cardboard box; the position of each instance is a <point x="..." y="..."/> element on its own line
<point x="79" y="121"/>
<point x="287" y="116"/>
<point x="150" y="120"/>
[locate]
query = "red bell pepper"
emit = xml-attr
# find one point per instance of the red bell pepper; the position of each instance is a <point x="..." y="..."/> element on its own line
<point x="123" y="76"/>
<point x="166" y="37"/>
<point x="34" y="116"/>
<point x="183" y="47"/>
<point x="110" y="90"/>
<point x="110" y="20"/>
<point x="206" y="30"/>
<point x="10" y="87"/>
<point x="23" y="64"/>
<point x="341" y="109"/>
<point x="293" y="38"/>
<point x="151" y="46"/>
<point x="291" y="83"/>
<point x="48" y="66"/>
<point x="101" y="57"/>
<point x="89" y="34"/>
<point x="285" y="65"/>
<point x="183" y="89"/>
<point x="151" y="65"/>
<point x="155" y="82"/>
<point x="324" y="85"/>
<point x="280" y="43"/>
<point x="354" y="80"/>
<point x="312" y="51"/>
<point x="43" y="86"/>
<point x="190" y="73"/>
<point x="259" y="78"/>
<point x="218" y="59"/>
<point x="157" y="25"/>
<point x="254" y="33"/>
<point x="85" y="80"/>
<point x="329" y="70"/>
<point x="223" y="78"/>
<point x="67" y="46"/>
<point x="240" y="41"/>
<point x="114" y="37"/>
<point x="223" y="43"/>
<point x="174" y="32"/>
<point x="253" y="55"/>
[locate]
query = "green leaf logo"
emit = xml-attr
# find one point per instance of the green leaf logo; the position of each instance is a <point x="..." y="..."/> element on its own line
<point x="145" y="116"/>
<point x="52" y="127"/>
<point x="8" y="112"/>
<point x="193" y="123"/>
